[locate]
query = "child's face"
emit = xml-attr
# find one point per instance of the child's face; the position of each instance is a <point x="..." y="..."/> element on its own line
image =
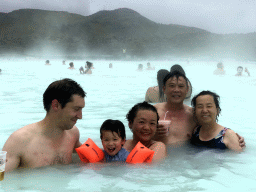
<point x="112" y="143"/>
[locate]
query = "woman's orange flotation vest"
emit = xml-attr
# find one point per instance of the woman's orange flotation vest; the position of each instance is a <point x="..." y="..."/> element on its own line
<point x="140" y="154"/>
<point x="89" y="152"/>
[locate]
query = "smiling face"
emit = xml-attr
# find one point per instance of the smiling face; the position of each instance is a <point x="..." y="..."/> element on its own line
<point x="205" y="110"/>
<point x="112" y="142"/>
<point x="144" y="125"/>
<point x="71" y="112"/>
<point x="176" y="89"/>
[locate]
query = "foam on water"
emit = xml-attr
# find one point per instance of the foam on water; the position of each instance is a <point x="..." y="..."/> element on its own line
<point x="110" y="94"/>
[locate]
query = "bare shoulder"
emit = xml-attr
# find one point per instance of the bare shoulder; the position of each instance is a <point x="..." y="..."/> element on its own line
<point x="20" y="137"/>
<point x="128" y="145"/>
<point x="158" y="145"/>
<point x="160" y="106"/>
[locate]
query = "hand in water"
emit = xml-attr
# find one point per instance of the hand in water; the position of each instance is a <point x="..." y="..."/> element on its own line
<point x="241" y="141"/>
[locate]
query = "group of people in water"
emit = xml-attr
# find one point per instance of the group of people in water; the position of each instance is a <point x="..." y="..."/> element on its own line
<point x="54" y="139"/>
<point x="220" y="70"/>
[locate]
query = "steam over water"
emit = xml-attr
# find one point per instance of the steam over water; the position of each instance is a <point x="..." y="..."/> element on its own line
<point x="110" y="94"/>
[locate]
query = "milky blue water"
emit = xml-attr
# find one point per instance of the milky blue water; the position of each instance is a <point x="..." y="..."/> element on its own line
<point x="110" y="94"/>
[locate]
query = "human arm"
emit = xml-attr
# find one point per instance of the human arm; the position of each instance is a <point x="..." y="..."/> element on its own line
<point x="13" y="146"/>
<point x="77" y="137"/>
<point x="231" y="141"/>
<point x="241" y="141"/>
<point x="160" y="151"/>
<point x="246" y="70"/>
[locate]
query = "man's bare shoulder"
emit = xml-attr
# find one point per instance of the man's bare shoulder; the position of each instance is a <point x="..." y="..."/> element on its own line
<point x="25" y="132"/>
<point x="160" y="106"/>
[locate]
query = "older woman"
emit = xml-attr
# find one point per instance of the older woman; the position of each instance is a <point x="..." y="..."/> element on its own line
<point x="143" y="120"/>
<point x="209" y="133"/>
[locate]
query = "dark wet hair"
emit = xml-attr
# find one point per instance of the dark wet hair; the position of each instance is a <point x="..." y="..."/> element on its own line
<point x="216" y="99"/>
<point x="239" y="67"/>
<point x="176" y="74"/>
<point x="114" y="126"/>
<point x="71" y="64"/>
<point x="62" y="90"/>
<point x="47" y="61"/>
<point x="89" y="64"/>
<point x="140" y="66"/>
<point x="160" y="77"/>
<point x="220" y="65"/>
<point x="177" y="67"/>
<point x="140" y="106"/>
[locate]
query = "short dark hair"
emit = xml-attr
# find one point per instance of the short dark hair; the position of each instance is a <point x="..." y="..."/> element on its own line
<point x="62" y="90"/>
<point x="89" y="64"/>
<point x="216" y="99"/>
<point x="114" y="126"/>
<point x="176" y="74"/>
<point x="140" y="106"/>
<point x="239" y="67"/>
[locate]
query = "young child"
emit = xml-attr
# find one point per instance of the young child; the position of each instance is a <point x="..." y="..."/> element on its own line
<point x="112" y="135"/>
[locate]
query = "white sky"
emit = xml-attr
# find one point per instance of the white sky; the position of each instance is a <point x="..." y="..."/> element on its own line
<point x="217" y="16"/>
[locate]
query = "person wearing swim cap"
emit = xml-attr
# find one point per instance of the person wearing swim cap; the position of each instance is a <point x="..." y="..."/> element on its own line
<point x="143" y="120"/>
<point x="52" y="140"/>
<point x="112" y="135"/>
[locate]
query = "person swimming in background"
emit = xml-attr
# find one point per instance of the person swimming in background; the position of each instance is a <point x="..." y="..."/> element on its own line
<point x="240" y="71"/>
<point x="63" y="62"/>
<point x="177" y="67"/>
<point x="88" y="68"/>
<point x="149" y="67"/>
<point x="220" y="69"/>
<point x="71" y="65"/>
<point x="140" y="67"/>
<point x="208" y="133"/>
<point x="110" y="65"/>
<point x="155" y="94"/>
<point x="47" y="62"/>
<point x="112" y="135"/>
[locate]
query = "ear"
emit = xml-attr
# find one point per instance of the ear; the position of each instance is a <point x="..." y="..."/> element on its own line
<point x="55" y="105"/>
<point x="123" y="142"/>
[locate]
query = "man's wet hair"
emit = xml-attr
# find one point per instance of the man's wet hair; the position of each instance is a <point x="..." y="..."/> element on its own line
<point x="176" y="74"/>
<point x="114" y="126"/>
<point x="140" y="106"/>
<point x="216" y="99"/>
<point x="62" y="90"/>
